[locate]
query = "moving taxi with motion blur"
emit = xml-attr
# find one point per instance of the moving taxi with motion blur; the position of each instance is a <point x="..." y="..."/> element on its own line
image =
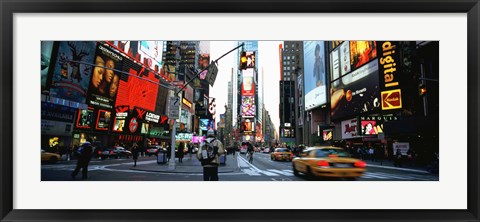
<point x="328" y="161"/>
<point x="281" y="154"/>
<point x="49" y="157"/>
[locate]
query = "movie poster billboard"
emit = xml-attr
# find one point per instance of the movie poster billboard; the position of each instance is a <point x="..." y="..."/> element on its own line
<point x="349" y="128"/>
<point x="134" y="91"/>
<point x="247" y="125"/>
<point x="103" y="119"/>
<point x="121" y="115"/>
<point x="314" y="74"/>
<point x="248" y="106"/>
<point x="71" y="74"/>
<point x="356" y="92"/>
<point x="104" y="82"/>
<point x="85" y="118"/>
<point x="46" y="58"/>
<point x="361" y="52"/>
<point x="371" y="127"/>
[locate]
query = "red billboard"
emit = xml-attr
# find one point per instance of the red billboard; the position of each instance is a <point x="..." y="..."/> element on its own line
<point x="139" y="89"/>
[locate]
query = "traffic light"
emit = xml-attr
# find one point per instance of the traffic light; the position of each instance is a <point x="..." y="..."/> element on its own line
<point x="422" y="89"/>
<point x="243" y="60"/>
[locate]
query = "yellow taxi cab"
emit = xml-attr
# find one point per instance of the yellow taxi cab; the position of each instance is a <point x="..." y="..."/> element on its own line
<point x="49" y="157"/>
<point x="281" y="154"/>
<point x="328" y="161"/>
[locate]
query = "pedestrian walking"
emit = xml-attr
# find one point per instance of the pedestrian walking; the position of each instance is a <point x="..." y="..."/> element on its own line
<point x="398" y="158"/>
<point x="169" y="152"/>
<point x="84" y="154"/>
<point x="208" y="154"/>
<point x="180" y="152"/>
<point x="135" y="150"/>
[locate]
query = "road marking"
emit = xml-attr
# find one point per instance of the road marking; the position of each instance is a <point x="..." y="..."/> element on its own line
<point x="280" y="172"/>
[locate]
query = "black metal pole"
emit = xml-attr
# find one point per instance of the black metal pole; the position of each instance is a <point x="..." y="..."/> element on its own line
<point x="185" y="85"/>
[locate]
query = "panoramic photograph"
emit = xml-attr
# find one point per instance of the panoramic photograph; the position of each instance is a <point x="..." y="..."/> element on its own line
<point x="247" y="110"/>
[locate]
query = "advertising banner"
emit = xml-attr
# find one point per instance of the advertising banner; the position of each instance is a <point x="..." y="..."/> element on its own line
<point x="314" y="74"/>
<point x="206" y="124"/>
<point x="390" y="81"/>
<point x="403" y="147"/>
<point x="104" y="81"/>
<point x="248" y="106"/>
<point x="70" y="79"/>
<point x="248" y="87"/>
<point x="152" y="117"/>
<point x="335" y="64"/>
<point x="349" y="129"/>
<point x="362" y="52"/>
<point x="327" y="134"/>
<point x="56" y="112"/>
<point x="57" y="128"/>
<point x="151" y="54"/>
<point x="121" y="115"/>
<point x="251" y="60"/>
<point x="145" y="128"/>
<point x="46" y="58"/>
<point x="134" y="91"/>
<point x="85" y="118"/>
<point x="344" y="58"/>
<point x="184" y="136"/>
<point x="356" y="92"/>
<point x="247" y="125"/>
<point x="300" y="100"/>
<point x="103" y="119"/>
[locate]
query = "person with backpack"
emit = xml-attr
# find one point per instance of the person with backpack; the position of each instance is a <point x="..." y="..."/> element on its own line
<point x="84" y="154"/>
<point x="208" y="154"/>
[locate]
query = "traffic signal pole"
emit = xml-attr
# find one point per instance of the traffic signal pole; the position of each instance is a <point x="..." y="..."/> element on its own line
<point x="171" y="163"/>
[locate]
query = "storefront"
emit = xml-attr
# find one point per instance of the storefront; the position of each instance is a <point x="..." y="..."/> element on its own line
<point x="56" y="127"/>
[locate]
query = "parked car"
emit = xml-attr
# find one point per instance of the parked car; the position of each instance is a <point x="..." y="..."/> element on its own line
<point x="105" y="153"/>
<point x="121" y="152"/>
<point x="281" y="154"/>
<point x="153" y="150"/>
<point x="328" y="161"/>
<point x="49" y="157"/>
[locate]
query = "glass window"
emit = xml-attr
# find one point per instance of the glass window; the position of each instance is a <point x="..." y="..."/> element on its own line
<point x="293" y="57"/>
<point x="328" y="152"/>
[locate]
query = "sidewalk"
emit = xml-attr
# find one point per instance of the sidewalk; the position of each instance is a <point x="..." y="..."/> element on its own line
<point x="187" y="166"/>
<point x="388" y="164"/>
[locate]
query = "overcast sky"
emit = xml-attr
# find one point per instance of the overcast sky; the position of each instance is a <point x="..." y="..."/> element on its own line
<point x="268" y="60"/>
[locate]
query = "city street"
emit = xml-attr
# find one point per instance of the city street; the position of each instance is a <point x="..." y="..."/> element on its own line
<point x="236" y="168"/>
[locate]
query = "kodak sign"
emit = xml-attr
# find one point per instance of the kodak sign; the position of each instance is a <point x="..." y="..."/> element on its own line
<point x="390" y="86"/>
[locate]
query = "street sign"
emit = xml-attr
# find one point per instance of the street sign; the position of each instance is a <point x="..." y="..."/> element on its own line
<point x="173" y="108"/>
<point x="212" y="73"/>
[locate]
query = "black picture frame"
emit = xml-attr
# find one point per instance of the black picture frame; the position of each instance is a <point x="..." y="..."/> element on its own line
<point x="10" y="7"/>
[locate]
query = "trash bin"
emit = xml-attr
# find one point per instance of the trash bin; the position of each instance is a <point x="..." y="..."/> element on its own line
<point x="223" y="159"/>
<point x="161" y="156"/>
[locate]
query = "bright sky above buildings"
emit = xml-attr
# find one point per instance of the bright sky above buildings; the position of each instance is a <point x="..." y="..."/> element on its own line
<point x="268" y="58"/>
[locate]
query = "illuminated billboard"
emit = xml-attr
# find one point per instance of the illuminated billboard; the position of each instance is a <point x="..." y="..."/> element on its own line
<point x="85" y="118"/>
<point x="356" y="92"/>
<point x="327" y="134"/>
<point x="314" y="74"/>
<point x="362" y="52"/>
<point x="247" y="125"/>
<point x="251" y="59"/>
<point x="103" y="120"/>
<point x="248" y="87"/>
<point x="139" y="89"/>
<point x="371" y="127"/>
<point x="206" y="124"/>
<point x="248" y="106"/>
<point x="104" y="81"/>
<point x="151" y="53"/>
<point x="71" y="75"/>
<point x="121" y="115"/>
<point x="349" y="128"/>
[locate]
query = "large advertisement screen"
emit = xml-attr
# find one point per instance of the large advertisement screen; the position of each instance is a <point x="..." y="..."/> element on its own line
<point x="248" y="87"/>
<point x="251" y="60"/>
<point x="356" y="92"/>
<point x="371" y="127"/>
<point x="314" y="74"/>
<point x="247" y="125"/>
<point x="151" y="53"/>
<point x="85" y="118"/>
<point x="71" y="75"/>
<point x="206" y="124"/>
<point x="349" y="128"/>
<point x="121" y="115"/>
<point x="248" y="106"/>
<point x="139" y="89"/>
<point x="104" y="82"/>
<point x="362" y="52"/>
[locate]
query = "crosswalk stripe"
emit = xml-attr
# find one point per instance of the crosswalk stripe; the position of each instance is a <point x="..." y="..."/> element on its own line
<point x="281" y="172"/>
<point x="268" y="173"/>
<point x="251" y="172"/>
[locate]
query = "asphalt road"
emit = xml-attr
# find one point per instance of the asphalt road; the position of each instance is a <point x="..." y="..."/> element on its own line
<point x="262" y="169"/>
